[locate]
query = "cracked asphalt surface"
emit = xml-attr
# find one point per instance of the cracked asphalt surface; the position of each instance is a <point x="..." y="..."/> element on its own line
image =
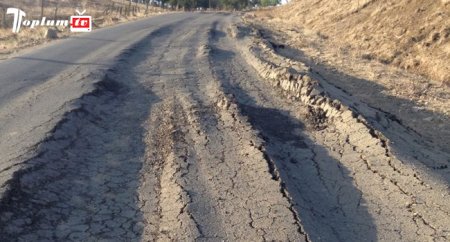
<point x="178" y="135"/>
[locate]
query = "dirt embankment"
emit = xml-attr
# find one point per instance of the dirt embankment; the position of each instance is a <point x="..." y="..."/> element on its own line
<point x="413" y="35"/>
<point x="346" y="44"/>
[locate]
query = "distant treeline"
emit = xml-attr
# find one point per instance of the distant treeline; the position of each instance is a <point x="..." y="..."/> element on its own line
<point x="221" y="4"/>
<point x="212" y="4"/>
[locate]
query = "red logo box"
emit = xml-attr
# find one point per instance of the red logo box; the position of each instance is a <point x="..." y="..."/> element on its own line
<point x="81" y="23"/>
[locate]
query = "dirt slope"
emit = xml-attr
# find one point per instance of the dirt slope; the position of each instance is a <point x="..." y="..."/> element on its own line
<point x="347" y="44"/>
<point x="410" y="34"/>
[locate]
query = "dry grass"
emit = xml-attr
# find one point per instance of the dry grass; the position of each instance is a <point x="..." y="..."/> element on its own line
<point x="27" y="37"/>
<point x="393" y="55"/>
<point x="411" y="34"/>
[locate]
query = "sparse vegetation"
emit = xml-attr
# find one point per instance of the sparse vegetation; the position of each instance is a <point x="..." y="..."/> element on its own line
<point x="392" y="55"/>
<point x="412" y="35"/>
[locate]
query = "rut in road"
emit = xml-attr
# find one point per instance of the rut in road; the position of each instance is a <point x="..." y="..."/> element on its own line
<point x="157" y="152"/>
<point x="215" y="183"/>
<point x="347" y="180"/>
<point x="330" y="205"/>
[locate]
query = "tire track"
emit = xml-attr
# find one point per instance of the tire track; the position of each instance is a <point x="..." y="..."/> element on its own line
<point x="214" y="168"/>
<point x="304" y="166"/>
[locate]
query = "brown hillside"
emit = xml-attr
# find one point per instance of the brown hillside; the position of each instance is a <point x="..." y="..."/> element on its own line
<point x="411" y="34"/>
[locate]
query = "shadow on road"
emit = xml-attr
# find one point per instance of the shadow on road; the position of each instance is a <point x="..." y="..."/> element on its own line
<point x="422" y="143"/>
<point x="83" y="183"/>
<point x="330" y="207"/>
<point x="40" y="60"/>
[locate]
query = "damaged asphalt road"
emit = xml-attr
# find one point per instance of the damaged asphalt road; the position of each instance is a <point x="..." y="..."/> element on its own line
<point x="188" y="127"/>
